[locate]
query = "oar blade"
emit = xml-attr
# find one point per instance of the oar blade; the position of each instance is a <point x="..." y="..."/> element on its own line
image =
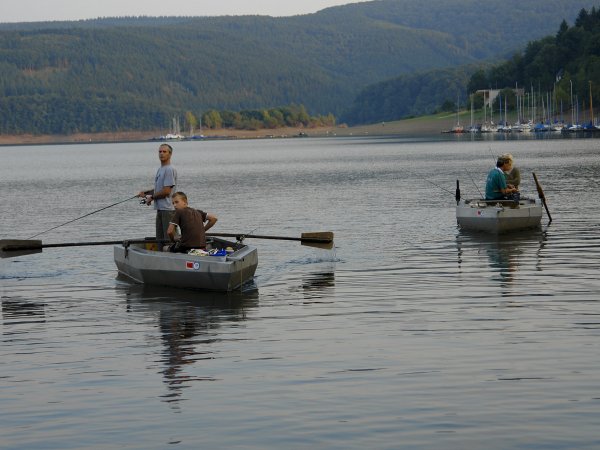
<point x="9" y="248"/>
<point x="542" y="196"/>
<point x="321" y="245"/>
<point x="322" y="239"/>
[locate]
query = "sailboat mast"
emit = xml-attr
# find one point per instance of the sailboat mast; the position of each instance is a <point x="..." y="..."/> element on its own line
<point x="471" y="111"/>
<point x="500" y="110"/>
<point x="491" y="108"/>
<point x="591" y="106"/>
<point x="484" y="109"/>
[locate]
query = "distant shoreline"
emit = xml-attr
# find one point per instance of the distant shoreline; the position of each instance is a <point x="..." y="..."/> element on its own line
<point x="417" y="126"/>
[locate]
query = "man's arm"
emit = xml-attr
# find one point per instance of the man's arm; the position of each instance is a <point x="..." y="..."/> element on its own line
<point x="171" y="231"/>
<point x="508" y="190"/>
<point x="163" y="193"/>
<point x="210" y="221"/>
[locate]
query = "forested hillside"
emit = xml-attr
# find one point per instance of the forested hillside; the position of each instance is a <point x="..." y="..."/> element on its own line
<point x="409" y="95"/>
<point x="137" y="73"/>
<point x="566" y="64"/>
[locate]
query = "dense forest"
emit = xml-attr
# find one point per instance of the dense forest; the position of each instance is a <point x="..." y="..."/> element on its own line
<point x="137" y="73"/>
<point x="566" y="64"/>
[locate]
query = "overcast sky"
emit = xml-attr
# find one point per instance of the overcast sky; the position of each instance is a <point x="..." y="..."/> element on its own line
<point x="42" y="10"/>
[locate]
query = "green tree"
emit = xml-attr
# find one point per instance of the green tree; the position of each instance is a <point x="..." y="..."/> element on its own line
<point x="212" y="119"/>
<point x="231" y="119"/>
<point x="191" y="121"/>
<point x="478" y="81"/>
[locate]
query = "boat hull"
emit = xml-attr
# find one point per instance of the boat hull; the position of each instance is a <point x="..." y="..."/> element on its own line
<point x="498" y="216"/>
<point x="213" y="273"/>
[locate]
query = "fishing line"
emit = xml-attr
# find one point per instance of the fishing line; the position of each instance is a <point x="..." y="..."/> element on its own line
<point x="88" y="214"/>
<point x="429" y="181"/>
<point x="443" y="188"/>
<point x="473" y="181"/>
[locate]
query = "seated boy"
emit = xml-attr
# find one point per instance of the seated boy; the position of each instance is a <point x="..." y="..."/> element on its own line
<point x="192" y="224"/>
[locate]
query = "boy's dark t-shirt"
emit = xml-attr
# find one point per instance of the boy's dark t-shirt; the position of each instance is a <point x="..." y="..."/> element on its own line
<point x="191" y="221"/>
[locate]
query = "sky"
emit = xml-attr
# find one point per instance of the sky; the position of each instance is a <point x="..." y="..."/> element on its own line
<point x="48" y="10"/>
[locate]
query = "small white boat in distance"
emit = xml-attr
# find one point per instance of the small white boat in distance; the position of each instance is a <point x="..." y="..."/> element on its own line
<point x="143" y="263"/>
<point x="498" y="216"/>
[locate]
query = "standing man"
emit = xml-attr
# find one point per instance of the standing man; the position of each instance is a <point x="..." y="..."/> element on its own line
<point x="165" y="183"/>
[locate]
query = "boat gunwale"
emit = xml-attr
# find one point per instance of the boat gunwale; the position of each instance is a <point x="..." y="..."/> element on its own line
<point x="240" y="252"/>
<point x="481" y="203"/>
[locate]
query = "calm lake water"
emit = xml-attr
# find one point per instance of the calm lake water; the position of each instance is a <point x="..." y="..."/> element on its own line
<point x="410" y="334"/>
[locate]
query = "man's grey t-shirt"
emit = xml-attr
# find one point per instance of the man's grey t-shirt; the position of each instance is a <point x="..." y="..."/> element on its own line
<point x="165" y="176"/>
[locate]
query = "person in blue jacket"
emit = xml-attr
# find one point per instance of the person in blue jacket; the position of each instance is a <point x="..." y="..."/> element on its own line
<point x="496" y="187"/>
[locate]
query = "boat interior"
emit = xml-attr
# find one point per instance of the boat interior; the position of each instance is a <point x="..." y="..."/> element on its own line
<point x="212" y="243"/>
<point x="482" y="203"/>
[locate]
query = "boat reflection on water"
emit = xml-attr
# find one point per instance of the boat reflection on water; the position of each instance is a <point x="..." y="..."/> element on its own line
<point x="503" y="259"/>
<point x="189" y="322"/>
<point x="506" y="253"/>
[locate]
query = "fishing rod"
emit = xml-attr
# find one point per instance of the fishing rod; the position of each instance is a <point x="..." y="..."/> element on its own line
<point x="85" y="215"/>
<point x="473" y="181"/>
<point x="240" y="237"/>
<point x="495" y="158"/>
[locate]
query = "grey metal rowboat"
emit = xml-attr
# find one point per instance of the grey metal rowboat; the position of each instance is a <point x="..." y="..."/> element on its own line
<point x="498" y="216"/>
<point x="142" y="263"/>
<point x="501" y="216"/>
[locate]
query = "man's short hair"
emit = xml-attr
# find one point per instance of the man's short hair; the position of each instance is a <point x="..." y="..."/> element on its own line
<point x="168" y="146"/>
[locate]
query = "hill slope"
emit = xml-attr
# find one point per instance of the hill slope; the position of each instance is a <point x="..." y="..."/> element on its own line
<point x="565" y="64"/>
<point x="134" y="73"/>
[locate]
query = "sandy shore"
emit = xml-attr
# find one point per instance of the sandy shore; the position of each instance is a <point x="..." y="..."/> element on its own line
<point x="417" y="126"/>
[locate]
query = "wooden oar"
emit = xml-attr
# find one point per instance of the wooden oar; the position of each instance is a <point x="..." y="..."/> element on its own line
<point x="322" y="239"/>
<point x="20" y="247"/>
<point x="542" y="196"/>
